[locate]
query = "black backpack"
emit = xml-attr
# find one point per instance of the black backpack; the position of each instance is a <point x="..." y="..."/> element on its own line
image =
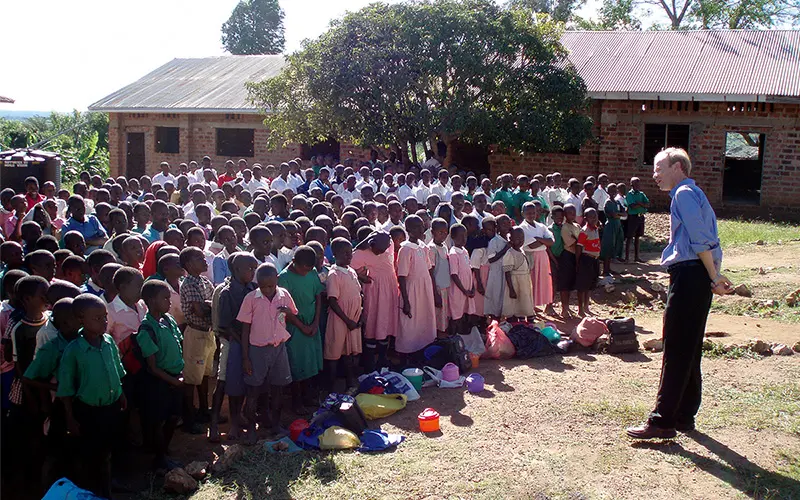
<point x="622" y="336"/>
<point x="455" y="352"/>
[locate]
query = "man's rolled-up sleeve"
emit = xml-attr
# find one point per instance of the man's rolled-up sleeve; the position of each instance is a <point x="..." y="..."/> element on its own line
<point x="699" y="231"/>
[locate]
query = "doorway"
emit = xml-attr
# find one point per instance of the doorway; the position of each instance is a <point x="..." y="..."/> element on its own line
<point x="744" y="161"/>
<point x="329" y="147"/>
<point x="134" y="155"/>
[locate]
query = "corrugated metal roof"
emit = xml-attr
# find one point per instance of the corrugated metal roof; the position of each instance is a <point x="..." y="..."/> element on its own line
<point x="715" y="65"/>
<point x="700" y="65"/>
<point x="194" y="85"/>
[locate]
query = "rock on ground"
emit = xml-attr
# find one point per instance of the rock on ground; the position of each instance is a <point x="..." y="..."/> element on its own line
<point x="197" y="469"/>
<point x="654" y="345"/>
<point x="758" y="346"/>
<point x="781" y="350"/>
<point x="743" y="291"/>
<point x="232" y="454"/>
<point x="179" y="481"/>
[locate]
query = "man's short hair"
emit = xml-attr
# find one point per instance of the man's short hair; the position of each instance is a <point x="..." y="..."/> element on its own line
<point x="676" y="155"/>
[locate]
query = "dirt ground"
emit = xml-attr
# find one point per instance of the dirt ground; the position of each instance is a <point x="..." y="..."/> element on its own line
<point x="554" y="427"/>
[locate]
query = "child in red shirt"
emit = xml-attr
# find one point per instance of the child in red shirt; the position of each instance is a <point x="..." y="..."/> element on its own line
<point x="588" y="265"/>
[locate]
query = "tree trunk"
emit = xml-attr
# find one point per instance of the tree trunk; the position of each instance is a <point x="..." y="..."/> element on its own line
<point x="448" y="160"/>
<point x="413" y="152"/>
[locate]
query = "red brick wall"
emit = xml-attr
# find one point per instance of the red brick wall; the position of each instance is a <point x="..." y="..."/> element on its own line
<point x="198" y="138"/>
<point x="617" y="147"/>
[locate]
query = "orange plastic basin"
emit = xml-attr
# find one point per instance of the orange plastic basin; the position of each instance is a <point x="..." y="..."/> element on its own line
<point x="428" y="420"/>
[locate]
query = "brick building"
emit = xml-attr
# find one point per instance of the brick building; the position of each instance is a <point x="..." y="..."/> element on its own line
<point x="731" y="97"/>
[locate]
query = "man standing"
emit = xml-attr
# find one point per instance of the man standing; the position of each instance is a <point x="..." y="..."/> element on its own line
<point x="693" y="258"/>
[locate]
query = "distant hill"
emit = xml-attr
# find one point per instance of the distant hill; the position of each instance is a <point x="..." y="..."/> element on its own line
<point x="21" y="115"/>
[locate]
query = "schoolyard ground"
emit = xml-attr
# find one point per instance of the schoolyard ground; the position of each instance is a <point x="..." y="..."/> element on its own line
<point x="554" y="427"/>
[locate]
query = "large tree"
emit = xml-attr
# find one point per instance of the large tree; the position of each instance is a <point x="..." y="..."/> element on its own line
<point x="695" y="14"/>
<point x="255" y="27"/>
<point x="613" y="15"/>
<point x="560" y="10"/>
<point x="389" y="75"/>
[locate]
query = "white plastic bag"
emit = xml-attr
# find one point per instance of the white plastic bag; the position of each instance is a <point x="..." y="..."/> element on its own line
<point x="400" y="383"/>
<point x="473" y="342"/>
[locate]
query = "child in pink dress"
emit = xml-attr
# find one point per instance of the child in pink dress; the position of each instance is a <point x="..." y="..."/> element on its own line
<point x="343" y="333"/>
<point x="441" y="273"/>
<point x="374" y="261"/>
<point x="417" y="326"/>
<point x="479" y="262"/>
<point x="461" y="294"/>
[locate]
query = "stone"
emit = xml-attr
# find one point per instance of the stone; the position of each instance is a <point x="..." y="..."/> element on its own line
<point x="231" y="455"/>
<point x="743" y="291"/>
<point x="760" y="242"/>
<point x="759" y="347"/>
<point x="197" y="469"/>
<point x="179" y="481"/>
<point x="716" y="334"/>
<point x="654" y="345"/>
<point x="609" y="288"/>
<point x="731" y="347"/>
<point x="796" y="347"/>
<point x="769" y="303"/>
<point x="657" y="287"/>
<point x="781" y="350"/>
<point x="793" y="298"/>
<point x="761" y="270"/>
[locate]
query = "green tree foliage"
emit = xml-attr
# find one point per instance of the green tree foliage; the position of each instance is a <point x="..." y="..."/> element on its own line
<point x="80" y="138"/>
<point x="695" y="14"/>
<point x="613" y="15"/>
<point x="438" y="69"/>
<point x="745" y="14"/>
<point x="560" y="10"/>
<point x="255" y="27"/>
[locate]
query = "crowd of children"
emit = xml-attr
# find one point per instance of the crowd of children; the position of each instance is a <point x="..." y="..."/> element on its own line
<point x="124" y="298"/>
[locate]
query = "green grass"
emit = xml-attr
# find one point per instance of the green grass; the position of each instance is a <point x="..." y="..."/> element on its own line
<point x="762" y="407"/>
<point x="621" y="413"/>
<point x="756" y="309"/>
<point x="715" y="350"/>
<point x="736" y="232"/>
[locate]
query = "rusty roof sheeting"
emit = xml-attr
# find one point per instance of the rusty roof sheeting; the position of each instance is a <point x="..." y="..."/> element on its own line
<point x="718" y="65"/>
<point x="706" y="65"/>
<point x="194" y="85"/>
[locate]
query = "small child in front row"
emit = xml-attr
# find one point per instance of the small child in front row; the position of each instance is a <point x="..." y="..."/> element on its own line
<point x="343" y="333"/>
<point x="479" y="262"/>
<point x="42" y="376"/>
<point x="461" y="294"/>
<point x="159" y="341"/>
<point x="416" y="328"/>
<point x="228" y="299"/>
<point x="265" y="360"/>
<point x="376" y="263"/>
<point x="587" y="255"/>
<point x="441" y="273"/>
<point x="90" y="386"/>
<point x="518" y="299"/>
<point x="304" y="348"/>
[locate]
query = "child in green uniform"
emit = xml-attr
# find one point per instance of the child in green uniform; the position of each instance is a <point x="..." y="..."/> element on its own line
<point x="90" y="386"/>
<point x="638" y="204"/>
<point x="41" y="377"/>
<point x="612" y="237"/>
<point x="305" y="345"/>
<point x="159" y="341"/>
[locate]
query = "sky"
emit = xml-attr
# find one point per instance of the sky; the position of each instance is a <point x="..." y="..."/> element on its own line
<point x="74" y="53"/>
